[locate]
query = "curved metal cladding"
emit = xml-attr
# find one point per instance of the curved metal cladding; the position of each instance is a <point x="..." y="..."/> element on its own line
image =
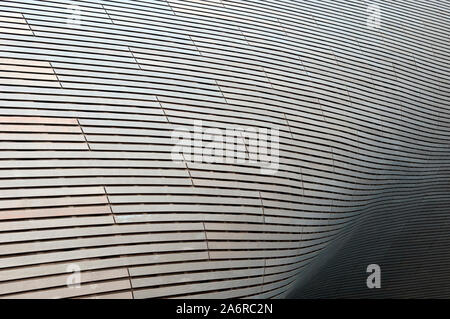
<point x="111" y="185"/>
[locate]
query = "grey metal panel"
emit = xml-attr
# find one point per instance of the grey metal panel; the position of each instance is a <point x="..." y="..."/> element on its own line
<point x="87" y="113"/>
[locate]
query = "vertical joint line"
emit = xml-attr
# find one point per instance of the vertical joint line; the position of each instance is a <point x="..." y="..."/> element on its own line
<point x="267" y="77"/>
<point x="188" y="170"/>
<point x="264" y="275"/>
<point x="332" y="158"/>
<point x="131" y="285"/>
<point x="29" y="26"/>
<point x="334" y="56"/>
<point x="221" y="92"/>
<point x="218" y="86"/>
<point x="103" y="6"/>
<point x="304" y="67"/>
<point x="206" y="239"/>
<point x="321" y="110"/>
<point x="282" y="27"/>
<point x="245" y="38"/>
<point x="288" y="125"/>
<point x="184" y="159"/>
<point x="84" y="135"/>
<point x="109" y="204"/>
<point x="132" y="54"/>
<point x="262" y="207"/>
<point x="59" y="81"/>
<point x="303" y="184"/>
<point x="264" y="222"/>
<point x="245" y="144"/>
<point x="170" y="7"/>
<point x="162" y="109"/>
<point x="195" y="45"/>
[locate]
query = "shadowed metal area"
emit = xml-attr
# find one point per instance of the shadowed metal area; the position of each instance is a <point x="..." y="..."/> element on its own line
<point x="92" y="203"/>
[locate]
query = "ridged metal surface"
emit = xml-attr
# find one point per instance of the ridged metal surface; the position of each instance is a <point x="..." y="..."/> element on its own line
<point x="87" y="178"/>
